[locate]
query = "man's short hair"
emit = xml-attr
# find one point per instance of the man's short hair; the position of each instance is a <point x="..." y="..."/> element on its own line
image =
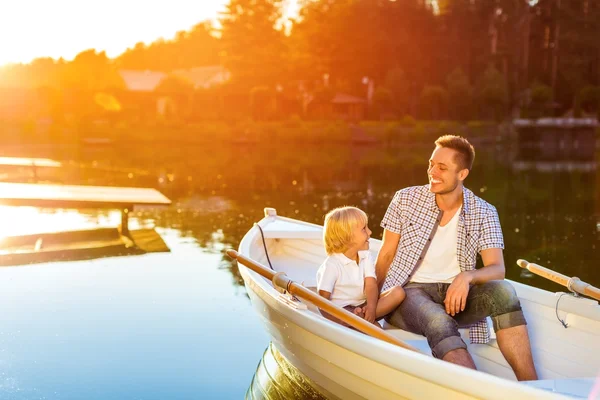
<point x="339" y="225"/>
<point x="465" y="151"/>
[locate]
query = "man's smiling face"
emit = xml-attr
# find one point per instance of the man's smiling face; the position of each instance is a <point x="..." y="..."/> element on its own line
<point x="444" y="173"/>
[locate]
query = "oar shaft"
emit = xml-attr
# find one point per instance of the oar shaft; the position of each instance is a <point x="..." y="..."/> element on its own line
<point x="324" y="304"/>
<point x="574" y="284"/>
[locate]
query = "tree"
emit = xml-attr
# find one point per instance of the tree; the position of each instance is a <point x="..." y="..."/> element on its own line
<point x="91" y="71"/>
<point x="382" y="101"/>
<point x="492" y="92"/>
<point x="175" y="85"/>
<point x="460" y="94"/>
<point x="541" y="96"/>
<point x="434" y="100"/>
<point x="252" y="46"/>
<point x="262" y="102"/>
<point x="588" y="99"/>
<point x="193" y="48"/>
<point x="398" y="85"/>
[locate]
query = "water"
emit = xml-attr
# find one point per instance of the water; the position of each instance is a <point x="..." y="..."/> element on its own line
<point x="158" y="326"/>
<point x="178" y="325"/>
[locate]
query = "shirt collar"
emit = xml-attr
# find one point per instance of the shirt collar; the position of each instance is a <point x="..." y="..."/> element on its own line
<point x="362" y="254"/>
<point x="431" y="203"/>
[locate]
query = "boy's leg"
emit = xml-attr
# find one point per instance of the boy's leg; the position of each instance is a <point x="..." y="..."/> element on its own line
<point x="388" y="301"/>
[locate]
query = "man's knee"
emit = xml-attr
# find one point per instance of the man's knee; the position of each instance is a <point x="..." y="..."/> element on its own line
<point x="504" y="297"/>
<point x="442" y="335"/>
<point x="507" y="311"/>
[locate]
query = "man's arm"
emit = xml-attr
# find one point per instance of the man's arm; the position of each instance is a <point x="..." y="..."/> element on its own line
<point x="493" y="269"/>
<point x="386" y="255"/>
<point x="493" y="262"/>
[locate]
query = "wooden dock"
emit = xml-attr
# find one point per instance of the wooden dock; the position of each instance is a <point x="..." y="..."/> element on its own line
<point x="80" y="244"/>
<point x="81" y="197"/>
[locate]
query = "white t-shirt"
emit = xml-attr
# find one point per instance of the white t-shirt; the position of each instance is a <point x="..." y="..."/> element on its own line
<point x="440" y="264"/>
<point x="344" y="279"/>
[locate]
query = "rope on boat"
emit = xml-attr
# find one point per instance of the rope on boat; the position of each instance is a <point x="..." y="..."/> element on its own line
<point x="557" y="317"/>
<point x="262" y="235"/>
<point x="286" y="290"/>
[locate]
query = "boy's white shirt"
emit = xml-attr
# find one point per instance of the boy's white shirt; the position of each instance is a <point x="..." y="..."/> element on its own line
<point x="344" y="279"/>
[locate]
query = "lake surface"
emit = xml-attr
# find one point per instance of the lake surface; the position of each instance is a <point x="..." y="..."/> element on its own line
<point x="179" y="325"/>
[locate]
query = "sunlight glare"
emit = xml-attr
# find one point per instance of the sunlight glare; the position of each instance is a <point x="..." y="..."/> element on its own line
<point x="63" y="28"/>
<point x="28" y="220"/>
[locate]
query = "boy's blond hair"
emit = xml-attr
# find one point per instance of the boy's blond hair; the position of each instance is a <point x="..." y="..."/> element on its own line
<point x="339" y="224"/>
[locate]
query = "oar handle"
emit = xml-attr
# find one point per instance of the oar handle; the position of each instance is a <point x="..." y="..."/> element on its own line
<point x="574" y="284"/>
<point x="338" y="312"/>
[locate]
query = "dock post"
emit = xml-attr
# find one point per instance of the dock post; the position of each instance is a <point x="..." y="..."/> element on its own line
<point x="125" y="222"/>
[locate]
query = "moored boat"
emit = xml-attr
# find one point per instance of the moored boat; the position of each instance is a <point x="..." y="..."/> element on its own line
<point x="348" y="364"/>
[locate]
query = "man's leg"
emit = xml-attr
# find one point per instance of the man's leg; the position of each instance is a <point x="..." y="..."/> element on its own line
<point x="499" y="300"/>
<point x="516" y="348"/>
<point x="422" y="312"/>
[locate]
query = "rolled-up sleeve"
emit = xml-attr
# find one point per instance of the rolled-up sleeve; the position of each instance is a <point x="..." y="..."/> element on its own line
<point x="491" y="232"/>
<point x="391" y="220"/>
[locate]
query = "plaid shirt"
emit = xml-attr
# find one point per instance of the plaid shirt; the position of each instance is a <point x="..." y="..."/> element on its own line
<point x="414" y="214"/>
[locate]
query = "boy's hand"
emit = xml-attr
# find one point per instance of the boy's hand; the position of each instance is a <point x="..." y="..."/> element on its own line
<point x="360" y="312"/>
<point x="370" y="313"/>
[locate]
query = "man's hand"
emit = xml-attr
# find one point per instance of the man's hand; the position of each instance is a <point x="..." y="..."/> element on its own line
<point x="456" y="296"/>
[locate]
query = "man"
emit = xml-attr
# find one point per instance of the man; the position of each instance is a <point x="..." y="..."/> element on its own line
<point x="432" y="235"/>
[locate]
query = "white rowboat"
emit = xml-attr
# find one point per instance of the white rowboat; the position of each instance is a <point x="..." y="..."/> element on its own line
<point x="347" y="364"/>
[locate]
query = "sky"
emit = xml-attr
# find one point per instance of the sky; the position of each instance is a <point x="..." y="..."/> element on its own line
<point x="62" y="28"/>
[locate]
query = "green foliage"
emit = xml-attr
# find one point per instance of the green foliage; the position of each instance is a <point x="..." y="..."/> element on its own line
<point x="541" y="94"/>
<point x="262" y="102"/>
<point x="589" y="98"/>
<point x="407" y="47"/>
<point x="382" y="101"/>
<point x="492" y="92"/>
<point x="408" y="120"/>
<point x="175" y="84"/>
<point x="252" y="47"/>
<point x="434" y="100"/>
<point x="396" y="82"/>
<point x="194" y="48"/>
<point x="460" y="94"/>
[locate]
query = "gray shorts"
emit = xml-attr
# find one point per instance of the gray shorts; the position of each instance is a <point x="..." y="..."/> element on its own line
<point x="423" y="312"/>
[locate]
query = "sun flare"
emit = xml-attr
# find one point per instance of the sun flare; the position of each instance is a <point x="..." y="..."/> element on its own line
<point x="64" y="28"/>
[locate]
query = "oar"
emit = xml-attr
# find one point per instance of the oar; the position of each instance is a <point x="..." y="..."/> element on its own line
<point x="574" y="284"/>
<point x="282" y="281"/>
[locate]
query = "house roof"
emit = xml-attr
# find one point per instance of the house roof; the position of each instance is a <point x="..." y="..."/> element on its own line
<point x="141" y="81"/>
<point x="205" y="77"/>
<point x="200" y="77"/>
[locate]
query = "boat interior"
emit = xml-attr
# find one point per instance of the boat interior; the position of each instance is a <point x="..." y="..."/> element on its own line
<point x="566" y="358"/>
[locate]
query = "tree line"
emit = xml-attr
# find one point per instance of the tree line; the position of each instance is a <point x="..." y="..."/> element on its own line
<point x="429" y="59"/>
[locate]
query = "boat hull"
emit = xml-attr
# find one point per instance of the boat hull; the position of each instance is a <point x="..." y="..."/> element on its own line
<point x="347" y="364"/>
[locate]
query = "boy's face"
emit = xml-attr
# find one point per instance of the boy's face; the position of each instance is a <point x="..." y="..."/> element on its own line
<point x="360" y="237"/>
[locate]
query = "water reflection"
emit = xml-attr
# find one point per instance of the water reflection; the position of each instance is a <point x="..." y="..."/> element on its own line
<point x="547" y="217"/>
<point x="276" y="379"/>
